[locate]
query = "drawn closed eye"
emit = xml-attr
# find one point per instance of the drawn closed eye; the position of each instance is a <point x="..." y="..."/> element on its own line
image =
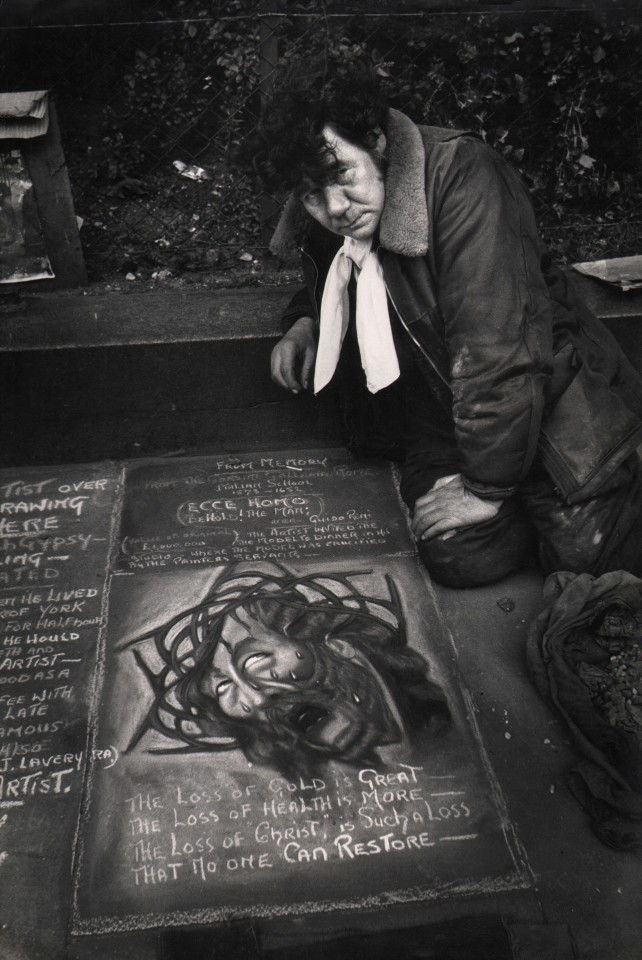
<point x="222" y="687"/>
<point x="253" y="659"/>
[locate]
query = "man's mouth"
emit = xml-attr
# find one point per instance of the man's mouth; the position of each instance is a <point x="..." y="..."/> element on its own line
<point x="305" y="717"/>
<point x="354" y="223"/>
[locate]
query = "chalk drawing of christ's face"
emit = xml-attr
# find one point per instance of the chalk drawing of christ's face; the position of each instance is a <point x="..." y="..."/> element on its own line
<point x="321" y="689"/>
<point x="253" y="665"/>
<point x="293" y="669"/>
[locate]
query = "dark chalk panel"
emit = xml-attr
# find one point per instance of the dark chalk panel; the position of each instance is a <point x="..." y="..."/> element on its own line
<point x="55" y="540"/>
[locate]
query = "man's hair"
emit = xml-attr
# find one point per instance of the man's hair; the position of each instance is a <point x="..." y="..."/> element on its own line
<point x="288" y="144"/>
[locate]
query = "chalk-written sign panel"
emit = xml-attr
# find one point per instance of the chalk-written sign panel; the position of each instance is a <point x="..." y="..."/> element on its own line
<point x="269" y="506"/>
<point x="55" y="536"/>
<point x="290" y="737"/>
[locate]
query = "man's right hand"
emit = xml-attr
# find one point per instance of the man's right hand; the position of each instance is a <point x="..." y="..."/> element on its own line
<point x="293" y="356"/>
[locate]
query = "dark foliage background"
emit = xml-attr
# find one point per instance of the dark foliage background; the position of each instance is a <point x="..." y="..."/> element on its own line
<point x="559" y="93"/>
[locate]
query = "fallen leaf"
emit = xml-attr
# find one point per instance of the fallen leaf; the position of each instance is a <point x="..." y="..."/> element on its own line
<point x="506" y="604"/>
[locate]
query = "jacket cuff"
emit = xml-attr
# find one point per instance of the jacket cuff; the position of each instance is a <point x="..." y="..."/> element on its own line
<point x="289" y="319"/>
<point x="299" y="306"/>
<point x="489" y="491"/>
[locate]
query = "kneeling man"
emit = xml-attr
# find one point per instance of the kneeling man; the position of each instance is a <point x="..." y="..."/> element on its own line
<point x="460" y="349"/>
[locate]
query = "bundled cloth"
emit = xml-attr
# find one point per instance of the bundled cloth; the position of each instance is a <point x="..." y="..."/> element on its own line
<point x="23" y="115"/>
<point x="585" y="654"/>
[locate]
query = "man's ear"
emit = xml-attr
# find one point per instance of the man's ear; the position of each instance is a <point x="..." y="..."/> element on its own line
<point x="381" y="142"/>
<point x="342" y="648"/>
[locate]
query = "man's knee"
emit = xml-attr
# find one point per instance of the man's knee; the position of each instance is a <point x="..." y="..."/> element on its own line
<point x="451" y="566"/>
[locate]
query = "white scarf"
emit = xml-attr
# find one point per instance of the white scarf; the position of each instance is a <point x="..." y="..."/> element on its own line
<point x="376" y="345"/>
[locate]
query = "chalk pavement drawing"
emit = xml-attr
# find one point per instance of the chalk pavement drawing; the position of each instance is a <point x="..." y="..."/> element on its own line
<point x="289" y="738"/>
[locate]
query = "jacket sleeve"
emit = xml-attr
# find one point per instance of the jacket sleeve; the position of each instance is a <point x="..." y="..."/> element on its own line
<point x="496" y="313"/>
<point x="299" y="306"/>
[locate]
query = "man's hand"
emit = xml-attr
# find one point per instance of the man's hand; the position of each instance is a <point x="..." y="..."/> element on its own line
<point x="293" y="356"/>
<point x="447" y="506"/>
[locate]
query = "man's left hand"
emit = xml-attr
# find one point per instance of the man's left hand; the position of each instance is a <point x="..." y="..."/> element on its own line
<point x="447" y="506"/>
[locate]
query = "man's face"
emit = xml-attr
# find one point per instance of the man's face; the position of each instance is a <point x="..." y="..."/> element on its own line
<point x="351" y="203"/>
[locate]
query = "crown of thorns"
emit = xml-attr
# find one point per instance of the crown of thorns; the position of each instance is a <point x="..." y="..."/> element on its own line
<point x="170" y="653"/>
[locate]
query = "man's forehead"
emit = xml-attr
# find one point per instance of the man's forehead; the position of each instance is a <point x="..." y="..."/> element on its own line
<point x="330" y="165"/>
<point x="233" y="631"/>
<point x="335" y="153"/>
<point x="240" y="625"/>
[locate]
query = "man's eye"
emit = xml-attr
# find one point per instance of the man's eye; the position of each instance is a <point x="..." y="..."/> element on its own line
<point x="222" y="687"/>
<point x="311" y="196"/>
<point x="343" y="174"/>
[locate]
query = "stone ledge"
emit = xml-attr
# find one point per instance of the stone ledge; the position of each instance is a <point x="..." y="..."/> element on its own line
<point x="56" y="322"/>
<point x="62" y="321"/>
<point x="116" y="376"/>
<point x="606" y="301"/>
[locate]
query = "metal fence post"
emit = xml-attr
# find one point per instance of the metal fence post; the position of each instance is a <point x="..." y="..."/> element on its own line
<point x="268" y="56"/>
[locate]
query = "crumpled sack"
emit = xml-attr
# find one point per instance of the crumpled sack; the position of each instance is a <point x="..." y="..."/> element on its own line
<point x="570" y="644"/>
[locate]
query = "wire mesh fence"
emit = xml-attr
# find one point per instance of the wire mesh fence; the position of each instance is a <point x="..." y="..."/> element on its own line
<point x="152" y="107"/>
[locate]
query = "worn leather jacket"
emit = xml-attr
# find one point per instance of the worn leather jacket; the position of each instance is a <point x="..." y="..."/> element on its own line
<point x="502" y="339"/>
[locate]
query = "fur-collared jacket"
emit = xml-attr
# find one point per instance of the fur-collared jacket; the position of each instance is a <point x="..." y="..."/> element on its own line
<point x="498" y="332"/>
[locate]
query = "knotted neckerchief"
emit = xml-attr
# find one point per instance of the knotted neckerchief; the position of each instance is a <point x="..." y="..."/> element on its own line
<point x="376" y="345"/>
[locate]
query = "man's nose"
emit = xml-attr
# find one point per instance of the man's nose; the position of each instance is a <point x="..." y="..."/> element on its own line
<point x="251" y="696"/>
<point x="335" y="200"/>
